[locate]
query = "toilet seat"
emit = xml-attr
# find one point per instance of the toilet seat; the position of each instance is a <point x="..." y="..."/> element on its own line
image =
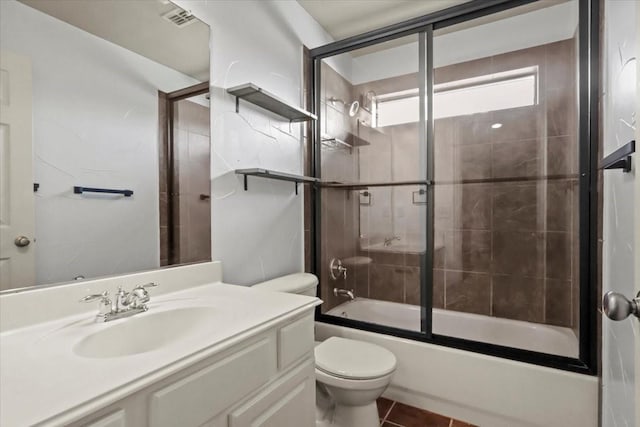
<point x="353" y="360"/>
<point x="351" y="384"/>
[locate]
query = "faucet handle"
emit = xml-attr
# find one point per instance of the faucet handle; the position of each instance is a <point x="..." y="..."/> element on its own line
<point x="141" y="294"/>
<point x="103" y="297"/>
<point x="147" y="285"/>
<point x="142" y="289"/>
<point x="105" y="302"/>
<point x="336" y="269"/>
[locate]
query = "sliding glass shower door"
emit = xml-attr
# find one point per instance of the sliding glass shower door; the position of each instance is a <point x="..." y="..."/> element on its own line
<point x="372" y="161"/>
<point x="455" y="166"/>
<point x="506" y="143"/>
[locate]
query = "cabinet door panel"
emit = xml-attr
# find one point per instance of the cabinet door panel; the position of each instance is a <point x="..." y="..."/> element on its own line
<point x="197" y="398"/>
<point x="289" y="402"/>
<point x="294" y="340"/>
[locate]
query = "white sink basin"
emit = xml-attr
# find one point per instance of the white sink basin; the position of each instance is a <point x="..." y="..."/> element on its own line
<point x="145" y="332"/>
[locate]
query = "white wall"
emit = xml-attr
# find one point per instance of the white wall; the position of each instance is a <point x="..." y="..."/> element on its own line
<point x="95" y="125"/>
<point x="619" y="399"/>
<point x="256" y="234"/>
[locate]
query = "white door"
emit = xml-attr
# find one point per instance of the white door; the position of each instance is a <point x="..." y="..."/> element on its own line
<point x="621" y="246"/>
<point x="17" y="216"/>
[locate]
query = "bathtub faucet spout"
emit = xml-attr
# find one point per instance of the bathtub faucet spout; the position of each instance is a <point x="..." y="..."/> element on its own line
<point x="344" y="293"/>
<point x="389" y="240"/>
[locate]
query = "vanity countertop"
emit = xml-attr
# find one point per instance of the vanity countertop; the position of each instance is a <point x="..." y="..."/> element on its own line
<point x="44" y="382"/>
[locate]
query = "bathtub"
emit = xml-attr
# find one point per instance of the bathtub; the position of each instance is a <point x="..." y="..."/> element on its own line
<point x="483" y="390"/>
<point x="475" y="327"/>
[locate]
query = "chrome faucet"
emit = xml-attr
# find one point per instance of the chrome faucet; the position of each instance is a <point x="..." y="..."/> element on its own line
<point x="389" y="240"/>
<point x="124" y="304"/>
<point x="337" y="270"/>
<point x="104" y="306"/>
<point x="344" y="293"/>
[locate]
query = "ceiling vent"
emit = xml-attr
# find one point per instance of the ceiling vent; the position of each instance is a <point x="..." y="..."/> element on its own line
<point x="179" y="17"/>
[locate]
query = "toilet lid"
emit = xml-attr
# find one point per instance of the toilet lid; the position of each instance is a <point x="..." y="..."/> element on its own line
<point x="352" y="359"/>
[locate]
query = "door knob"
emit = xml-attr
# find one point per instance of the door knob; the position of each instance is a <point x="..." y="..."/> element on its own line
<point x="617" y="307"/>
<point x="22" y="241"/>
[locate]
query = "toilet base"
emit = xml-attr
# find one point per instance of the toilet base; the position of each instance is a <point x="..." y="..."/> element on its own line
<point x="350" y="416"/>
<point x="356" y="416"/>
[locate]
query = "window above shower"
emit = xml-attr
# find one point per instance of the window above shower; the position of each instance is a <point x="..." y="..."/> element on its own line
<point x="492" y="92"/>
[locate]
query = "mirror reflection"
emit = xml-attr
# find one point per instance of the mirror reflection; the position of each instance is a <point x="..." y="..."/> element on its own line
<point x="104" y="139"/>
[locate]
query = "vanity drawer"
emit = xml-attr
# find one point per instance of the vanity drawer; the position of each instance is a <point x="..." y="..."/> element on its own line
<point x="197" y="398"/>
<point x="289" y="401"/>
<point x="295" y="340"/>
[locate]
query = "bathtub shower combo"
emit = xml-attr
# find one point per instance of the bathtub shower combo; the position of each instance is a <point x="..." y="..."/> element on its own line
<point x="452" y="165"/>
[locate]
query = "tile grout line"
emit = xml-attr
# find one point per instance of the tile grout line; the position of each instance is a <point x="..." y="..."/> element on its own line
<point x="393" y="403"/>
<point x="384" y="419"/>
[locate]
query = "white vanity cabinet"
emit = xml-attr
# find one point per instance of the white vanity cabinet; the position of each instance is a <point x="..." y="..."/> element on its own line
<point x="115" y="419"/>
<point x="266" y="380"/>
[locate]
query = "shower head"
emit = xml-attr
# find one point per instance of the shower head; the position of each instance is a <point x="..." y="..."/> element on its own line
<point x="353" y="106"/>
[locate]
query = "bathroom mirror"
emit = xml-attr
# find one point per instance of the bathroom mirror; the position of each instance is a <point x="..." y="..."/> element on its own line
<point x="104" y="139"/>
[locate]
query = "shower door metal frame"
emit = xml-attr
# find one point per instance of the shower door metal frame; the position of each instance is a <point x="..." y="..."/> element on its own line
<point x="425" y="99"/>
<point x="589" y="261"/>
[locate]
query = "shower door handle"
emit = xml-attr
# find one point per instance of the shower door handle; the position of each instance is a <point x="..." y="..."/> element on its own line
<point x="618" y="307"/>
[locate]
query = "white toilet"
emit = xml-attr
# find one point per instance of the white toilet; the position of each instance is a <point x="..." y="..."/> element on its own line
<point x="350" y="374"/>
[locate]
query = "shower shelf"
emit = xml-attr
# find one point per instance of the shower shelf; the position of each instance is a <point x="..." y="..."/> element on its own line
<point x="351" y="141"/>
<point x="260" y="97"/>
<point x="280" y="176"/>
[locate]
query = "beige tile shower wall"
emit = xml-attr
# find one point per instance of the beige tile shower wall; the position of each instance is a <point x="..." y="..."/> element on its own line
<point x="339" y="226"/>
<point x="510" y="248"/>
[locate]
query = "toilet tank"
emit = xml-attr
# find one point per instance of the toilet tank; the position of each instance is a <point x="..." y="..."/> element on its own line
<point x="298" y="283"/>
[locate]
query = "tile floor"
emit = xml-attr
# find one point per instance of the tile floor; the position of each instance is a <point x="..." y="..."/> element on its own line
<point x="396" y="414"/>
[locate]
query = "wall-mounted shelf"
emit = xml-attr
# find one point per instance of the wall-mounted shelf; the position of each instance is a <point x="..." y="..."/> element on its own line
<point x="280" y="176"/>
<point x="260" y="97"/>
<point x="351" y="141"/>
<point x="297" y="179"/>
<point x="621" y="158"/>
<point x="364" y="127"/>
